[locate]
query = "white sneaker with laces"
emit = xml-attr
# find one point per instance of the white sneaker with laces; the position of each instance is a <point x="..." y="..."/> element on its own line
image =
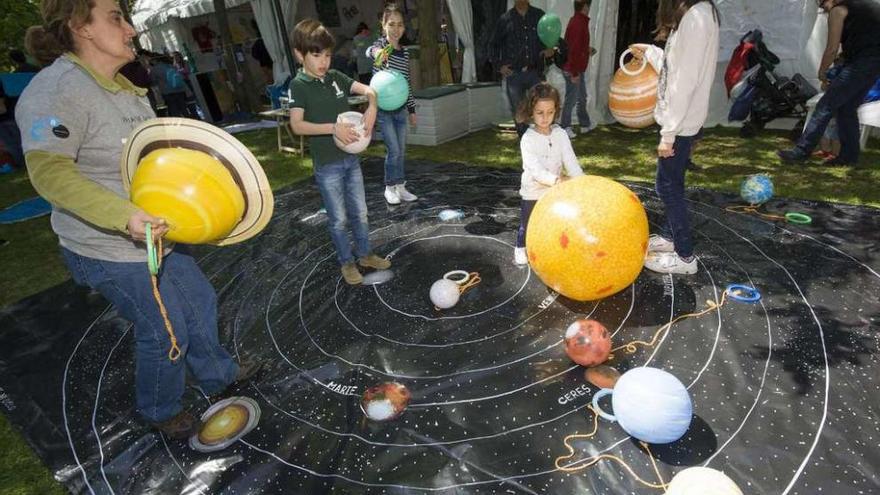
<point x="391" y="195"/>
<point x="520" y="257"/>
<point x="585" y="130"/>
<point x="405" y="195"/>
<point x="670" y="263"/>
<point x="570" y="132"/>
<point x="659" y="244"/>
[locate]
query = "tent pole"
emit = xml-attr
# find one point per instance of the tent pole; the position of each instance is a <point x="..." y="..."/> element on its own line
<point x="282" y="26"/>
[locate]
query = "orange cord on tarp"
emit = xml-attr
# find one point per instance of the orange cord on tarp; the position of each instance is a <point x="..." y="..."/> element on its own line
<point x="581" y="464"/>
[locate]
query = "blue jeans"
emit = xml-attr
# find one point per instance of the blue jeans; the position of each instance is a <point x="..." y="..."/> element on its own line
<point x="393" y="127"/>
<point x="525" y="212"/>
<point x="191" y="303"/>
<point x="670" y="188"/>
<point x="518" y="85"/>
<point x="841" y="100"/>
<point x="575" y="93"/>
<point x="342" y="189"/>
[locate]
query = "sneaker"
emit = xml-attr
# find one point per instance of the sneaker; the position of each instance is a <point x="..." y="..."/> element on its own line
<point x="373" y="261"/>
<point x="570" y="132"/>
<point x="670" y="263"/>
<point x="520" y="257"/>
<point x="659" y="244"/>
<point x="180" y="427"/>
<point x="791" y="156"/>
<point x="351" y="274"/>
<point x="247" y="369"/>
<point x="405" y="195"/>
<point x="585" y="129"/>
<point x="693" y="166"/>
<point x="391" y="196"/>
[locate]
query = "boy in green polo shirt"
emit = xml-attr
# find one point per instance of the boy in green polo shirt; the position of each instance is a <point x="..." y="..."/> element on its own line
<point x="319" y="95"/>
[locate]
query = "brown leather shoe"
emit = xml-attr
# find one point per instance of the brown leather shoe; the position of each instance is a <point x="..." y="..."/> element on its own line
<point x="373" y="261"/>
<point x="351" y="274"/>
<point x="180" y="427"/>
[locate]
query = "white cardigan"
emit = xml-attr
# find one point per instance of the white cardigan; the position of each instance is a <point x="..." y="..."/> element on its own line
<point x="689" y="63"/>
<point x="543" y="160"/>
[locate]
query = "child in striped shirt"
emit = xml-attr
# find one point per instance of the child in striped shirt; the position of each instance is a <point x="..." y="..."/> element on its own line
<point x="388" y="53"/>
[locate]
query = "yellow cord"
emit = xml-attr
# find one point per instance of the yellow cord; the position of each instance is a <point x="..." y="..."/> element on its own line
<point x="582" y="464"/>
<point x="631" y="347"/>
<point x="754" y="210"/>
<point x="174" y="352"/>
<point x="472" y="280"/>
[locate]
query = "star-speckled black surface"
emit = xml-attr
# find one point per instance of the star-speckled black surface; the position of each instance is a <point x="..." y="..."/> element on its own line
<point x="784" y="390"/>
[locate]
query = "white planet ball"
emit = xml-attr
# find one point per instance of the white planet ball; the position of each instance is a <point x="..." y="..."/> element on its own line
<point x="356" y="119"/>
<point x="444" y="293"/>
<point x="702" y="481"/>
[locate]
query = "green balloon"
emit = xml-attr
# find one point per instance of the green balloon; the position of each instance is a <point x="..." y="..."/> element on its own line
<point x="549" y="29"/>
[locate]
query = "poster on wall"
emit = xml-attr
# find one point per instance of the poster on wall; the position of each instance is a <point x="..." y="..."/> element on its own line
<point x="328" y="12"/>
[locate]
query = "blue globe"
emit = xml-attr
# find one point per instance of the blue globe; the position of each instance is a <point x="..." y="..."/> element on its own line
<point x="756" y="189"/>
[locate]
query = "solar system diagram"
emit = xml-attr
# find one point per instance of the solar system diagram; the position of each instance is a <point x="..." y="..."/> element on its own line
<point x="457" y="371"/>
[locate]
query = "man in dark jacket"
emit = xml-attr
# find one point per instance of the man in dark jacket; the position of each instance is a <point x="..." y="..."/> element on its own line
<point x="517" y="52"/>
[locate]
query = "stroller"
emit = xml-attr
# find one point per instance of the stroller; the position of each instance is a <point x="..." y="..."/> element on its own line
<point x="759" y="95"/>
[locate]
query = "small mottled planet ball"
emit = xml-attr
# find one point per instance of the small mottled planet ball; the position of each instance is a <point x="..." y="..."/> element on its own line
<point x="444" y="293"/>
<point x="587" y="342"/>
<point x="587" y="238"/>
<point x="602" y="376"/>
<point x="702" y="481"/>
<point x="756" y="189"/>
<point x="224" y="424"/>
<point x="385" y="401"/>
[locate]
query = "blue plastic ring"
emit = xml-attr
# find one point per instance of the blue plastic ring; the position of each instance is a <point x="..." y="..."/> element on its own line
<point x="743" y="293"/>
<point x="598" y="395"/>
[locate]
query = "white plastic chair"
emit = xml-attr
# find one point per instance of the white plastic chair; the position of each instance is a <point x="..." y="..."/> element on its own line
<point x="869" y="116"/>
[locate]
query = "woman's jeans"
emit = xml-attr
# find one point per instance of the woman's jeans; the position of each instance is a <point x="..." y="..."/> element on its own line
<point x="670" y="188"/>
<point x="393" y="127"/>
<point x="526" y="208"/>
<point x="342" y="189"/>
<point x="191" y="303"/>
<point x="842" y="100"/>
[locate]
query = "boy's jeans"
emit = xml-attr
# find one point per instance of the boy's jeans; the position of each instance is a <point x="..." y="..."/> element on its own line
<point x="670" y="188"/>
<point x="575" y="93"/>
<point x="191" y="303"/>
<point x="342" y="189"/>
<point x="393" y="127"/>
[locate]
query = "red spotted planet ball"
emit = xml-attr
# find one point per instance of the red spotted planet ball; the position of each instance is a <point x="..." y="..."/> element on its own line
<point x="587" y="342"/>
<point x="386" y="401"/>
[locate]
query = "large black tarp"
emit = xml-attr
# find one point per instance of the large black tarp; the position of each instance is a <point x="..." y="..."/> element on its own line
<point x="784" y="391"/>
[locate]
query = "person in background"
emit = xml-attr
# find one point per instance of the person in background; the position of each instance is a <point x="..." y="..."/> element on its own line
<point x="171" y="85"/>
<point x="577" y="37"/>
<point x="78" y="112"/>
<point x="518" y="54"/>
<point x="261" y="54"/>
<point x="21" y="64"/>
<point x="388" y="52"/>
<point x="853" y="26"/>
<point x="138" y="72"/>
<point x="363" y="38"/>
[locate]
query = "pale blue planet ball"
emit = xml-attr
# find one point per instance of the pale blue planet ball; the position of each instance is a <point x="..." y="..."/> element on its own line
<point x="652" y="405"/>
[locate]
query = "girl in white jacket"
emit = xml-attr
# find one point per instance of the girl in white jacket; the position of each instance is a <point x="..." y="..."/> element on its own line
<point x="687" y="70"/>
<point x="546" y="153"/>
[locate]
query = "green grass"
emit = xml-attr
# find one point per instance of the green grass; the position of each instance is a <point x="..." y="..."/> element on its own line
<point x="32" y="263"/>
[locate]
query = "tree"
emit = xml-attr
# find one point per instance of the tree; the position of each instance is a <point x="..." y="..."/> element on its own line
<point x="16" y="17"/>
<point x="429" y="30"/>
